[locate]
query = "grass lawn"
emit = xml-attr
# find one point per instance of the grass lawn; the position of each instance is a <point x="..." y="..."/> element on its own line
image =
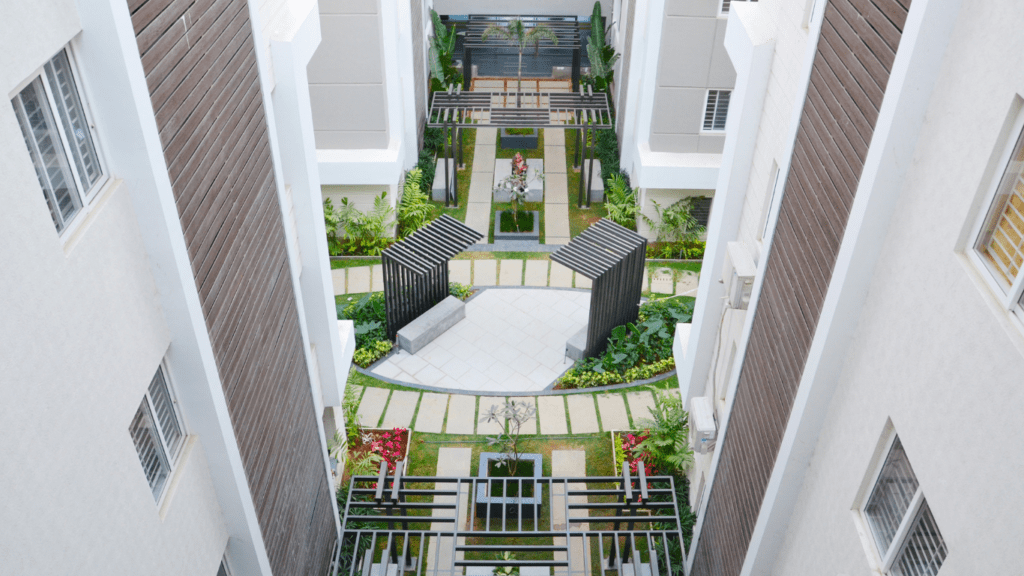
<point x="537" y="152"/>
<point x="579" y="218"/>
<point x="459" y="213"/>
<point x="354" y="263"/>
<point x="526" y="206"/>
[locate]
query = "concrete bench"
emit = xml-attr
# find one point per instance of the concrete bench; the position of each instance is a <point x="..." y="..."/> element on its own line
<point x="431" y="324"/>
<point x="576" y="345"/>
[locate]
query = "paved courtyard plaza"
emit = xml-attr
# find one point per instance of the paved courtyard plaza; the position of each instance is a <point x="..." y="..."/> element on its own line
<point x="512" y="340"/>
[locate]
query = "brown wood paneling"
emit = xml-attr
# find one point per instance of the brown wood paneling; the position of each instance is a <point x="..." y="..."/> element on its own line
<point x="202" y="74"/>
<point x="856" y="49"/>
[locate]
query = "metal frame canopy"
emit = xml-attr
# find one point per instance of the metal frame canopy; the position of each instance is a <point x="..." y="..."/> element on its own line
<point x="416" y="269"/>
<point x="385" y="531"/>
<point x="454" y="110"/>
<point x="613" y="258"/>
<point x="566" y="29"/>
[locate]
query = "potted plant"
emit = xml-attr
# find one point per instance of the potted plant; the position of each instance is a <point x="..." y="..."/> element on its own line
<point x="506" y="466"/>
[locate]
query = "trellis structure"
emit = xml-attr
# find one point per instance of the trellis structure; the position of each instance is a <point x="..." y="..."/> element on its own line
<point x="613" y="258"/>
<point x="454" y="110"/>
<point x="628" y="542"/>
<point x="565" y="28"/>
<point x="416" y="269"/>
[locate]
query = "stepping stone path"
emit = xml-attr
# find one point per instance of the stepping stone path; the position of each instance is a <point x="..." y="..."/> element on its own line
<point x="466" y="416"/>
<point x="556" y="188"/>
<point x="478" y="207"/>
<point x="511" y="273"/>
<point x="568" y="464"/>
<point x="451" y="462"/>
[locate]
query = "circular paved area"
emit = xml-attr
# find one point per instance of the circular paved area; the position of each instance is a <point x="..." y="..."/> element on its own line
<point x="512" y="340"/>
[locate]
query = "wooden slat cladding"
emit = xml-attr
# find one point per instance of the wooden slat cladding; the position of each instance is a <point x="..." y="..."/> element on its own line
<point x="200" y="64"/>
<point x="855" y="52"/>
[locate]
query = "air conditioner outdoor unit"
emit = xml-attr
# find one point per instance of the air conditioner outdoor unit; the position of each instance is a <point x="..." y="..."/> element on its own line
<point x="738" y="274"/>
<point x="703" y="430"/>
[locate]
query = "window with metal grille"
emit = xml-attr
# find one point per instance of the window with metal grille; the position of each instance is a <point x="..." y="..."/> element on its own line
<point x="158" y="433"/>
<point x="904" y="531"/>
<point x="999" y="240"/>
<point x="725" y="5"/>
<point x="715" y="110"/>
<point x="59" y="138"/>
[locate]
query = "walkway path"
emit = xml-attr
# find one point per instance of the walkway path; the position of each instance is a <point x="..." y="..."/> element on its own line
<point x="481" y="181"/>
<point x="535" y="273"/>
<point x="580" y="413"/>
<point x="556" y="188"/>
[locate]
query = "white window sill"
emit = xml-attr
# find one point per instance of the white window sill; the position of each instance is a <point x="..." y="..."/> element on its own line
<point x="179" y="470"/>
<point x="88" y="214"/>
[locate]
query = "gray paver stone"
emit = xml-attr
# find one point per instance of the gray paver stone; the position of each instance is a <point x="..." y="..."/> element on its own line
<point x="461" y="271"/>
<point x="400" y="409"/>
<point x="582" y="281"/>
<point x="536" y="273"/>
<point x="661" y="282"/>
<point x="511" y="273"/>
<point x="485" y="272"/>
<point x="551" y="410"/>
<point x="687" y="283"/>
<point x="582" y="414"/>
<point x="613" y="412"/>
<point x="377" y="278"/>
<point x="461" y="414"/>
<point x="640" y="406"/>
<point x="430" y="417"/>
<point x="359" y="280"/>
<point x="338" y="279"/>
<point x="372" y="406"/>
<point x="561" y="276"/>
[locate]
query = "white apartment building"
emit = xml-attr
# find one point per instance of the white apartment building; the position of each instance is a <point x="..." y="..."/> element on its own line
<point x="369" y="91"/>
<point x="857" y="327"/>
<point x="169" y="351"/>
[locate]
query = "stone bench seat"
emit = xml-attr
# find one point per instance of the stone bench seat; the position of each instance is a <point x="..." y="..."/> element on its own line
<point x="431" y="324"/>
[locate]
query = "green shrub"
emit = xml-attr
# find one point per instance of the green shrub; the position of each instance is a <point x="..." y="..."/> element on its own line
<point x="635" y="351"/>
<point x="667" y="434"/>
<point x="332" y="221"/>
<point x="460" y="291"/>
<point x="520" y="222"/>
<point x="364" y="356"/>
<point x="368" y="314"/>
<point x="681" y="250"/>
<point x="413" y="209"/>
<point x="621" y="202"/>
<point x="427" y="166"/>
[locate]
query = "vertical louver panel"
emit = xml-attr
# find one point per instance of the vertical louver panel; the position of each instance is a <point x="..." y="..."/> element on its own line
<point x="201" y="70"/>
<point x="851" y="68"/>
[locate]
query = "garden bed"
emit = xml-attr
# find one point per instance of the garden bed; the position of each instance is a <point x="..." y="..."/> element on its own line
<point x="373" y="445"/>
<point x="505" y="228"/>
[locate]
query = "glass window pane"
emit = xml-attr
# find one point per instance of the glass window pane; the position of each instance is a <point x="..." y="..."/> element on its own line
<point x="924" y="549"/>
<point x="47" y="153"/>
<point x="891" y="497"/>
<point x="1001" y="243"/>
<point x="151" y="453"/>
<point x="166" y="417"/>
<point x="722" y="109"/>
<point x="73" y="120"/>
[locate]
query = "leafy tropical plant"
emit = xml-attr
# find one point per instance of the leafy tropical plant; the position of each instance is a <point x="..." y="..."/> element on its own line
<point x="512" y="415"/>
<point x="517" y="33"/>
<point x="602" y="56"/>
<point x="460" y="291"/>
<point x="675" y="223"/>
<point x="667" y="431"/>
<point x="621" y="202"/>
<point x="442" y="45"/>
<point x="332" y="221"/>
<point x="350" y="412"/>
<point x="414" y="209"/>
<point x="505" y="570"/>
<point x="365" y="232"/>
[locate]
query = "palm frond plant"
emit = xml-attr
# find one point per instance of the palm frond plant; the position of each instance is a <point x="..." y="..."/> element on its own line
<point x="413" y="209"/>
<point x="675" y="223"/>
<point x="442" y="45"/>
<point x="602" y="56"/>
<point x="621" y="202"/>
<point x="521" y="36"/>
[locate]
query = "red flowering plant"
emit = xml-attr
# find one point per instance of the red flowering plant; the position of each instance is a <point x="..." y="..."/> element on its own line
<point x="629" y="453"/>
<point x="390" y="447"/>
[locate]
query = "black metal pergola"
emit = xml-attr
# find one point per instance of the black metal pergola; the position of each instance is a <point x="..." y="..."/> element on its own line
<point x="416" y="269"/>
<point x="384" y="530"/>
<point x="454" y="110"/>
<point x="613" y="258"/>
<point x="565" y="28"/>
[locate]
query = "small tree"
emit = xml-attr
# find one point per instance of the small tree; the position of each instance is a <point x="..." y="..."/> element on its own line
<point x="515" y="31"/>
<point x="602" y="56"/>
<point x="512" y="415"/>
<point x="516" y="185"/>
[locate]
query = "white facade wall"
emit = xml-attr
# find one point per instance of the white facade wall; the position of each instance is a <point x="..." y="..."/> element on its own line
<point x="82" y="332"/>
<point x="932" y="351"/>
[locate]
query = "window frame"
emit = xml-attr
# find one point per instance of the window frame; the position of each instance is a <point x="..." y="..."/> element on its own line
<point x="704" y="111"/>
<point x="172" y="458"/>
<point x="884" y="560"/>
<point x="1008" y="297"/>
<point x="87" y="197"/>
<point x="723" y="12"/>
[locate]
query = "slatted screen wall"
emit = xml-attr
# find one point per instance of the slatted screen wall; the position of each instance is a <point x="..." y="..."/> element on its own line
<point x="855" y="53"/>
<point x="200" y="64"/>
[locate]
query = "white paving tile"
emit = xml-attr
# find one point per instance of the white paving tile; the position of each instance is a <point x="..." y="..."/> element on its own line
<point x="359" y="280"/>
<point x="536" y="273"/>
<point x="485" y="272"/>
<point x="511" y="273"/>
<point x="640" y="406"/>
<point x="401" y="408"/>
<point x="552" y="415"/>
<point x="613" y="412"/>
<point x="582" y="414"/>
<point x="377" y="278"/>
<point x="461" y="414"/>
<point x="338" y="280"/>
<point x="372" y="406"/>
<point x="460" y="271"/>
